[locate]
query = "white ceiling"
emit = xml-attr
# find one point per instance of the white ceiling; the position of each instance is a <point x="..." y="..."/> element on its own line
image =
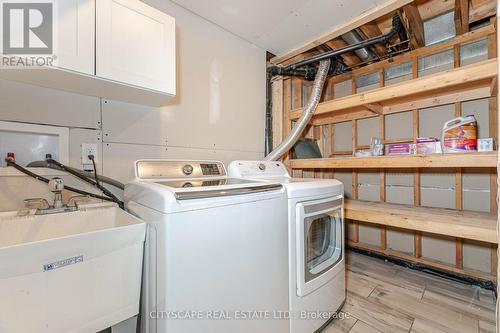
<point x="278" y="26"/>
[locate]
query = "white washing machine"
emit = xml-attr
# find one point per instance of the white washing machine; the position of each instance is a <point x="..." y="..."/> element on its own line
<point x="216" y="249"/>
<point x="316" y="243"/>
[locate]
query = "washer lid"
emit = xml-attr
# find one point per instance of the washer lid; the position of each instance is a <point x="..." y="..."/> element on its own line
<point x="209" y="188"/>
<point x="189" y="183"/>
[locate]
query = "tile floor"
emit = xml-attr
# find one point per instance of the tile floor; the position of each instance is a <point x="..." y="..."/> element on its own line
<point x="384" y="297"/>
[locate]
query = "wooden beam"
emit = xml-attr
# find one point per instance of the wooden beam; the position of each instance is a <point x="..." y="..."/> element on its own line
<point x="428" y="50"/>
<point x="478" y="10"/>
<point x="494" y="87"/>
<point x="287" y="105"/>
<point x="436" y="99"/>
<point x="457" y="77"/>
<point x="462" y="224"/>
<point x="350" y="58"/>
<point x="375" y="108"/>
<point x="485" y="9"/>
<point x="385" y="8"/>
<point x="416" y="25"/>
<point x="371" y="30"/>
<point x="464" y="160"/>
<point x="277" y="111"/>
<point x="461" y="16"/>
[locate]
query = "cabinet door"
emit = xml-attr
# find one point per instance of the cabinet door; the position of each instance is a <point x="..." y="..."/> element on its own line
<point x="76" y="35"/>
<point x="135" y="45"/>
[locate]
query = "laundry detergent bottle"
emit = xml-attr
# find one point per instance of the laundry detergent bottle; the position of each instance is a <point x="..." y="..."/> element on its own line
<point x="460" y="135"/>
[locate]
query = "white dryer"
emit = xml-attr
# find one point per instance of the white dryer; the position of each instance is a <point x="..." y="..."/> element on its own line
<point x="316" y="243"/>
<point x="216" y="249"/>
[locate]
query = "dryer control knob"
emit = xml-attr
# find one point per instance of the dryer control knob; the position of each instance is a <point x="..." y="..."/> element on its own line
<point x="262" y="167"/>
<point x="187" y="169"/>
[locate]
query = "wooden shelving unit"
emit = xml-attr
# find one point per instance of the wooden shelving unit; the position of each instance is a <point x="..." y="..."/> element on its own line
<point x="458" y="160"/>
<point x="462" y="83"/>
<point x="462" y="224"/>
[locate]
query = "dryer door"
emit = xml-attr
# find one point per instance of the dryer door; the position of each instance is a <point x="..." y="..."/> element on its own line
<point x="320" y="234"/>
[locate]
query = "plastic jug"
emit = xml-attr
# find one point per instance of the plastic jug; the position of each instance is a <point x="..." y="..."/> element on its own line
<point x="460" y="135"/>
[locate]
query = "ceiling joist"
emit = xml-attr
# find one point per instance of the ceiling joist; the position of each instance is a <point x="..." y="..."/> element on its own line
<point x="350" y="59"/>
<point x="416" y="25"/>
<point x="372" y="30"/>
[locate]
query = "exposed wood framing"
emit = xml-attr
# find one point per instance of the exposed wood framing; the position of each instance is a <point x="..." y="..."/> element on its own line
<point x="416" y="25"/>
<point x="417" y="237"/>
<point x="375" y="108"/>
<point x="456" y="78"/>
<point x="350" y="58"/>
<point x="370" y="30"/>
<point x="422" y="261"/>
<point x="461" y="16"/>
<point x="354" y="135"/>
<point x="277" y="111"/>
<point x="478" y="10"/>
<point x="383" y="230"/>
<point x="428" y="50"/>
<point x="287" y="106"/>
<point x="384" y="8"/>
<point x="460" y="84"/>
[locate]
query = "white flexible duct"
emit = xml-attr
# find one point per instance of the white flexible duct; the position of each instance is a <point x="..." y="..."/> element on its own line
<point x="295" y="134"/>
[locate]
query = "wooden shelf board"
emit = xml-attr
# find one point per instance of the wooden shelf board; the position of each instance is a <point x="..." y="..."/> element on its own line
<point x="422" y="261"/>
<point x="462" y="224"/>
<point x="431" y="90"/>
<point x="457" y="160"/>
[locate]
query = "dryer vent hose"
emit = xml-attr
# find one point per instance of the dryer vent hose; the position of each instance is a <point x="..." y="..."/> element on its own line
<point x="304" y="119"/>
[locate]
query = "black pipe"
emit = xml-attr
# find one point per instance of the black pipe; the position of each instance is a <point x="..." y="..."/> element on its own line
<point x="485" y="284"/>
<point x="303" y="69"/>
<point x="300" y="69"/>
<point x="396" y="26"/>
<point x="269" y="116"/>
<point x="307" y="72"/>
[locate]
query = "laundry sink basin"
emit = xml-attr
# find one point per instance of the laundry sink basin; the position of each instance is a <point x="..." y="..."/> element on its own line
<point x="69" y="272"/>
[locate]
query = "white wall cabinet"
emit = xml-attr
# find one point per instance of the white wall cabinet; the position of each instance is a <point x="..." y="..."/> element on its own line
<point x="116" y="49"/>
<point x="135" y="44"/>
<point x="76" y="35"/>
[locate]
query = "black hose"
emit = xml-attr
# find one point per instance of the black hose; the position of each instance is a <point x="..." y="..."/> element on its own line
<point x="102" y="179"/>
<point x="88" y="180"/>
<point x="62" y="167"/>
<point x="46" y="180"/>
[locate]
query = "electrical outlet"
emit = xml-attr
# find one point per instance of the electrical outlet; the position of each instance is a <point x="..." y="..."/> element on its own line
<point x="89" y="149"/>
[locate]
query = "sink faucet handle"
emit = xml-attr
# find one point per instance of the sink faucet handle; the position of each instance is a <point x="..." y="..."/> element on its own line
<point x="73" y="201"/>
<point x="39" y="203"/>
<point x="56" y="186"/>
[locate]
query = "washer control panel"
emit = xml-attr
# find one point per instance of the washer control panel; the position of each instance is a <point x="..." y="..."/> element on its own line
<point x="173" y="169"/>
<point x="210" y="169"/>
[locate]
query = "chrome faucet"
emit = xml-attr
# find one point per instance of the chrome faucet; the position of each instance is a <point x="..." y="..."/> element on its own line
<point x="56" y="186"/>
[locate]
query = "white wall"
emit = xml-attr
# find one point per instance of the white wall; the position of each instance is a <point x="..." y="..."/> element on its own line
<point x="218" y="112"/>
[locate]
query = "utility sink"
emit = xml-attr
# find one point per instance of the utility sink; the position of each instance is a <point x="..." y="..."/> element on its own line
<point x="69" y="272"/>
